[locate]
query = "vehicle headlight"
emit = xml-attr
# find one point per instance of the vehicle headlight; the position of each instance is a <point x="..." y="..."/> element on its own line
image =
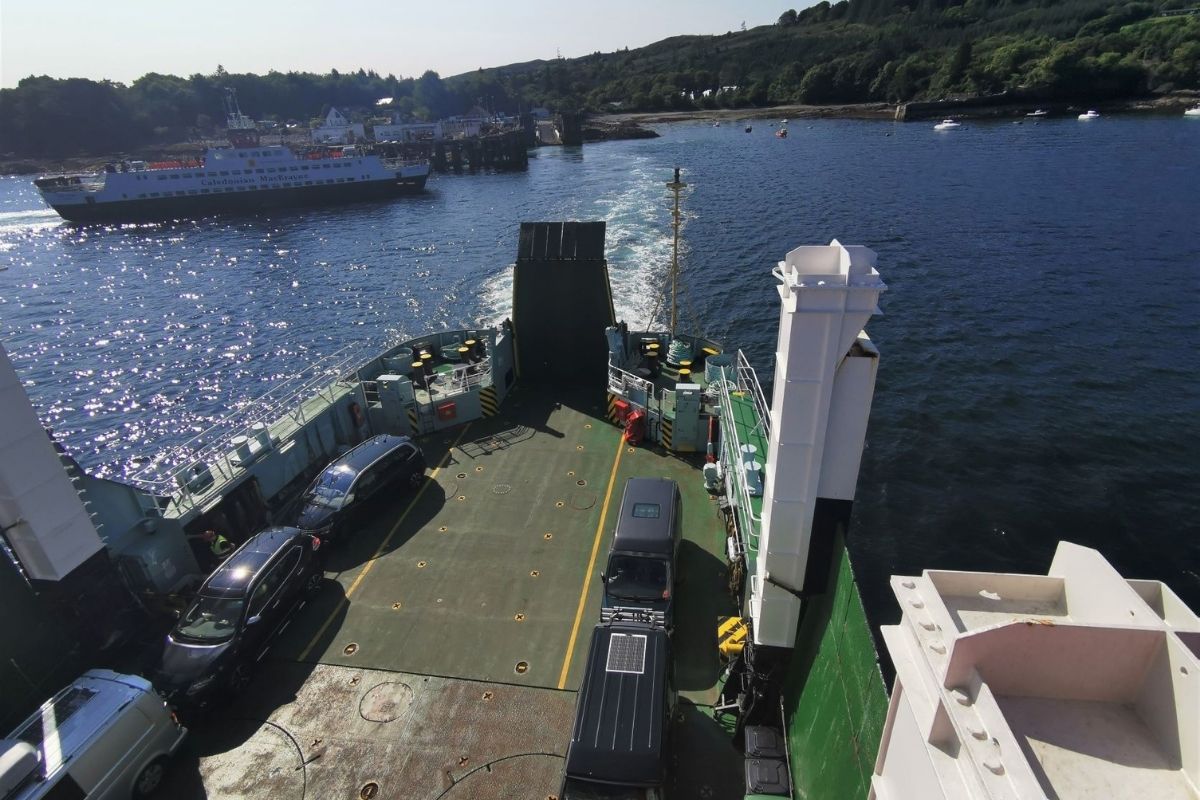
<point x="201" y="685"/>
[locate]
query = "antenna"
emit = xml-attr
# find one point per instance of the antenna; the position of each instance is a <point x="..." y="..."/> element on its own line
<point x="675" y="186"/>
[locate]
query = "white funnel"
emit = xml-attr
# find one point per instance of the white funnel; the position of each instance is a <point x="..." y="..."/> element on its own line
<point x="826" y="294"/>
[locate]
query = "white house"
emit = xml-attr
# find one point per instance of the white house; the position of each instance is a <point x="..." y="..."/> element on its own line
<point x="338" y="130"/>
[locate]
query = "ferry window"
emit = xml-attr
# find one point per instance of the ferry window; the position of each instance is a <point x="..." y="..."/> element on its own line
<point x="204" y="191"/>
<point x="234" y="172"/>
<point x="305" y="168"/>
<point x="174" y="176"/>
<point x="293" y="169"/>
<point x="269" y="169"/>
<point x="224" y="172"/>
<point x="162" y="177"/>
<point x="324" y="166"/>
<point x="191" y="191"/>
<point x="261" y="171"/>
<point x="255" y="154"/>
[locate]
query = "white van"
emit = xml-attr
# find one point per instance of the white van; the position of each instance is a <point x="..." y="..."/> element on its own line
<point x="107" y="736"/>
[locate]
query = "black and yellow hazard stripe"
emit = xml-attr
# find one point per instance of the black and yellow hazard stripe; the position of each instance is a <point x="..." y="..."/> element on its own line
<point x="731" y="635"/>
<point x="412" y="421"/>
<point x="488" y="401"/>
<point x="667" y="426"/>
<point x="612" y="408"/>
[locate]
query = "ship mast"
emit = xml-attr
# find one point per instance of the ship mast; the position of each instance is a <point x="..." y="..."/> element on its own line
<point x="675" y="186"/>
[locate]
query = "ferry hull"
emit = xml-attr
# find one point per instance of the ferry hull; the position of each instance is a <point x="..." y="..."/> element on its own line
<point x="168" y="208"/>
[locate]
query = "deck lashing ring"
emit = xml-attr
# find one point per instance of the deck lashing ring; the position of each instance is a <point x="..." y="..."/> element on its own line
<point x="461" y="497"/>
<point x="521" y="668"/>
<point x="578" y="447"/>
<point x="350" y="649"/>
<point x="396" y="606"/>
<point x="534" y="573"/>
<point x="559" y="504"/>
<point x="519" y="617"/>
<point x="422" y="564"/>
<point x="368" y="790"/>
<point x="461" y="475"/>
<point x="581" y="482"/>
<point x="479" y="468"/>
<point x="547" y="536"/>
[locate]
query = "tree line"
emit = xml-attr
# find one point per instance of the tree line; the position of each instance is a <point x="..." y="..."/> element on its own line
<point x="846" y="52"/>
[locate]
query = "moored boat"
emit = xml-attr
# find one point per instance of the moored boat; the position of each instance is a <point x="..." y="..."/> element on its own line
<point x="946" y="125"/>
<point x="1091" y="114"/>
<point x="1193" y="112"/>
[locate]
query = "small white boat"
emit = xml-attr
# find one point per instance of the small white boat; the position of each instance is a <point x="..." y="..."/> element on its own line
<point x="1093" y="114"/>
<point x="784" y="121"/>
<point x="1193" y="112"/>
<point x="946" y="125"/>
<point x="1041" y="112"/>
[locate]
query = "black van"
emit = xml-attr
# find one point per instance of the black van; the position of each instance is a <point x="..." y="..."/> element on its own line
<point x="334" y="500"/>
<point x="640" y="578"/>
<point x="619" y="743"/>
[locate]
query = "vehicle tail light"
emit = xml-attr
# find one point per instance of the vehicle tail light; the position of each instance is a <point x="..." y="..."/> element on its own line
<point x="316" y="543"/>
<point x="666" y="593"/>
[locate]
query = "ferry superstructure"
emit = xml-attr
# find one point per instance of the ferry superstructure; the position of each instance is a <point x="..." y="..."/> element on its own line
<point x="230" y="179"/>
<point x="245" y="177"/>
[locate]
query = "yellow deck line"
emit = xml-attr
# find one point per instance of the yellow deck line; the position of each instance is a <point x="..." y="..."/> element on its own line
<point x="587" y="576"/>
<point x="383" y="545"/>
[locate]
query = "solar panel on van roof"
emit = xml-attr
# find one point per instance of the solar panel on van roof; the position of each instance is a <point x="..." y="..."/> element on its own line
<point x="626" y="653"/>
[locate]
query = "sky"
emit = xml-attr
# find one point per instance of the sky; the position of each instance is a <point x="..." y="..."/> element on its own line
<point x="122" y="40"/>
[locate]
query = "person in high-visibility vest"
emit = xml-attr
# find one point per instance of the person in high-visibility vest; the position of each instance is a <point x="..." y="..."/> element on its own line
<point x="218" y="544"/>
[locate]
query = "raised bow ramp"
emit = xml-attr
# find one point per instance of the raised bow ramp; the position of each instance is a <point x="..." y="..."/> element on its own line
<point x="562" y="303"/>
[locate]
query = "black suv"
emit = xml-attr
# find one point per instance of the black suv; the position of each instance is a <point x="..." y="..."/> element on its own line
<point x="229" y="626"/>
<point x="333" y="500"/>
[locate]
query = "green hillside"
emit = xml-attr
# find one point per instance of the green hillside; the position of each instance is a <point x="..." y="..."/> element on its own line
<point x="852" y="51"/>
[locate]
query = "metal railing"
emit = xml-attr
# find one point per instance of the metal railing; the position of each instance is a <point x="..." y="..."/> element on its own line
<point x="461" y="380"/>
<point x="168" y="472"/>
<point x="620" y="380"/>
<point x="746" y="381"/>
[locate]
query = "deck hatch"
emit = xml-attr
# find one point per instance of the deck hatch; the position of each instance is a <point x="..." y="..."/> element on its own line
<point x="626" y="653"/>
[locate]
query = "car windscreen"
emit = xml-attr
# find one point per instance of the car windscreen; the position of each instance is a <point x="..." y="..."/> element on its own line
<point x="331" y="488"/>
<point x="210" y="619"/>
<point x="638" y="577"/>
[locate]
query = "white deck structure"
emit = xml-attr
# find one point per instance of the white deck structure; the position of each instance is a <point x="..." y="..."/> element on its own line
<point x="1075" y="684"/>
<point x="827" y="293"/>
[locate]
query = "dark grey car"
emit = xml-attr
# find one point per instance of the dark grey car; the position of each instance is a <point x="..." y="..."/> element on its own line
<point x="334" y="501"/>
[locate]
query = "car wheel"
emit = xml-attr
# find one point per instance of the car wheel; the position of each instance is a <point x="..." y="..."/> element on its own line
<point x="239" y="679"/>
<point x="313" y="584"/>
<point x="150" y="778"/>
<point x="415" y="479"/>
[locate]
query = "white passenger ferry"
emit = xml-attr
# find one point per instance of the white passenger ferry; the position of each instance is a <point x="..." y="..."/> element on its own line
<point x="244" y="177"/>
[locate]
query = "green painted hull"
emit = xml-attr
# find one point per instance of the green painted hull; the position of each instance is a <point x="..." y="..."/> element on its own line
<point x="835" y="700"/>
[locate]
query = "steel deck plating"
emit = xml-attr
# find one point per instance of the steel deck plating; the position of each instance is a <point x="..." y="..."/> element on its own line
<point x="442" y="657"/>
